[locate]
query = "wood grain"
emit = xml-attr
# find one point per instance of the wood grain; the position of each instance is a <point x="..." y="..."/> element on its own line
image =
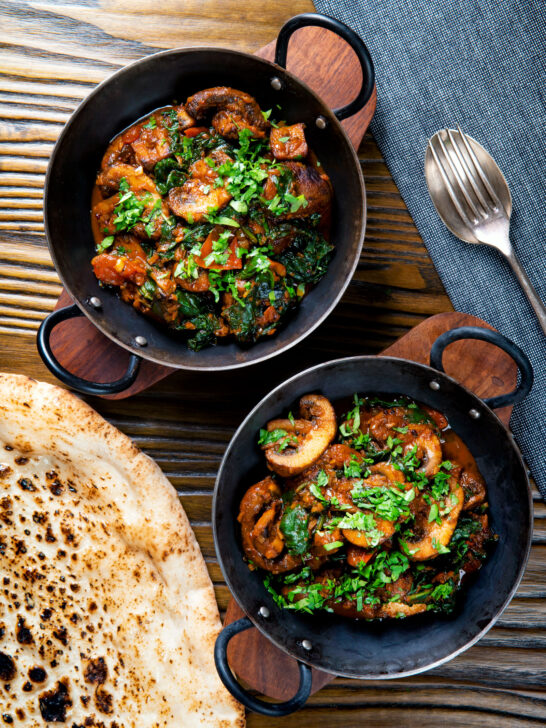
<point x="52" y="54"/>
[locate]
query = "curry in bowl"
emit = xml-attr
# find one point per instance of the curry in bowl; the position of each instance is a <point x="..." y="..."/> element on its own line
<point x="378" y="513"/>
<point x="212" y="218"/>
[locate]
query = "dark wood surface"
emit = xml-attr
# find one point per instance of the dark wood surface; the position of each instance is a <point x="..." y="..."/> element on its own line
<point x="325" y="62"/>
<point x="52" y="54"/>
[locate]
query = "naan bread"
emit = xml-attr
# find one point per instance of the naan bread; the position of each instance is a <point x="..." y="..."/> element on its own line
<point x="107" y="616"/>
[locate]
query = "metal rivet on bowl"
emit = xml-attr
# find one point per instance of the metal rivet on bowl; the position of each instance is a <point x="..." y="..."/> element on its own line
<point x="276" y="83"/>
<point x="434" y="385"/>
<point x="95" y="302"/>
<point x="141" y="341"/>
<point x="474" y="414"/>
<point x="264" y="612"/>
<point x="306" y="644"/>
<point x="321" y="122"/>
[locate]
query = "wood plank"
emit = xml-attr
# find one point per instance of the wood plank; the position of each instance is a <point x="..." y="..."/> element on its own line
<point x="51" y="57"/>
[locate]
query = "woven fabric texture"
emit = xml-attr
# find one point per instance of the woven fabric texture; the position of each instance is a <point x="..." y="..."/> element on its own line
<point x="481" y="64"/>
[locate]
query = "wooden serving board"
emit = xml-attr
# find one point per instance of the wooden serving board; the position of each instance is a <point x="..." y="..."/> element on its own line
<point x="481" y="367"/>
<point x="329" y="66"/>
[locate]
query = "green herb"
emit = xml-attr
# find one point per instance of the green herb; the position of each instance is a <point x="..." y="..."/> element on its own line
<point x="439" y="547"/>
<point x="239" y="206"/>
<point x="105" y="243"/>
<point x="406" y="549"/>
<point x="279" y="600"/>
<point x="440" y="485"/>
<point x="433" y="513"/>
<point x="389" y="503"/>
<point x="442" y="591"/>
<point x="220" y="249"/>
<point x="466" y="527"/>
<point x="295" y="202"/>
<point x="354" y="469"/>
<point x="150" y="226"/>
<point x="206" y="325"/>
<point x="360" y="522"/>
<point x="168" y="174"/>
<point x="129" y="208"/>
<point x="191" y="304"/>
<point x="354" y="415"/>
<point x="151" y="123"/>
<point x="274" y="436"/>
<point x="333" y="545"/>
<point x="148" y="289"/>
<point x="221" y="220"/>
<point x="293" y="526"/>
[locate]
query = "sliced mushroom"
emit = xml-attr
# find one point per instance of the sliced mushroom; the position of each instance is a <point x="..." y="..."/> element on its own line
<point x="198" y="195"/>
<point x="109" y="179"/>
<point x="422" y="437"/>
<point x="185" y="120"/>
<point x="399" y="609"/>
<point x="291" y="461"/>
<point x="398" y="590"/>
<point x="259" y="514"/>
<point x="433" y="534"/>
<point x="235" y="110"/>
<point x="429" y="448"/>
<point x="366" y="540"/>
<point x="118" y="151"/>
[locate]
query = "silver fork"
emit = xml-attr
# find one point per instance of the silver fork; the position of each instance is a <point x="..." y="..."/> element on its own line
<point x="472" y="197"/>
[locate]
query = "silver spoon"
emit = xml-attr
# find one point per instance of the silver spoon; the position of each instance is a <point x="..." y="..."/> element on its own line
<point x="471" y="196"/>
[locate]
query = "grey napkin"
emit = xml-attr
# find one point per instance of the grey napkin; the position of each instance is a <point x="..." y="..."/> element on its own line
<point x="479" y="63"/>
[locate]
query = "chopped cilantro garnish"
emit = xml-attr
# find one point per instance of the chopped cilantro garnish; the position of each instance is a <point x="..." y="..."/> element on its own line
<point x="281" y="438"/>
<point x="333" y="545"/>
<point x="105" y="243"/>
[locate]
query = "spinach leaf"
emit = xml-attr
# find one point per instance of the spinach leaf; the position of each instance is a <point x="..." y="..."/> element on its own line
<point x="243" y="315"/>
<point x="205" y="326"/>
<point x="294" y="529"/>
<point x="168" y="173"/>
<point x="191" y="304"/>
<point x="196" y="234"/>
<point x="307" y="258"/>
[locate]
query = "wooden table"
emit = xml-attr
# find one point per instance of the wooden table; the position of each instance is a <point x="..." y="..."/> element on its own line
<point x="52" y="55"/>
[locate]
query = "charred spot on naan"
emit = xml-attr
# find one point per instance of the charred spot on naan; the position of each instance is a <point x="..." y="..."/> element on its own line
<point x="7" y="668"/>
<point x="53" y="703"/>
<point x="75" y="625"/>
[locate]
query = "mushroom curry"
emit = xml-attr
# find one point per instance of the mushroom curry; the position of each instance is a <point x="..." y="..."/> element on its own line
<point x="380" y="513"/>
<point x="212" y="218"/>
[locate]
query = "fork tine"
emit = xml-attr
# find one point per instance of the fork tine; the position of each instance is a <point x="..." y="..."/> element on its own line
<point x="449" y="186"/>
<point x="469" y="174"/>
<point x="455" y="172"/>
<point x="492" y="194"/>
